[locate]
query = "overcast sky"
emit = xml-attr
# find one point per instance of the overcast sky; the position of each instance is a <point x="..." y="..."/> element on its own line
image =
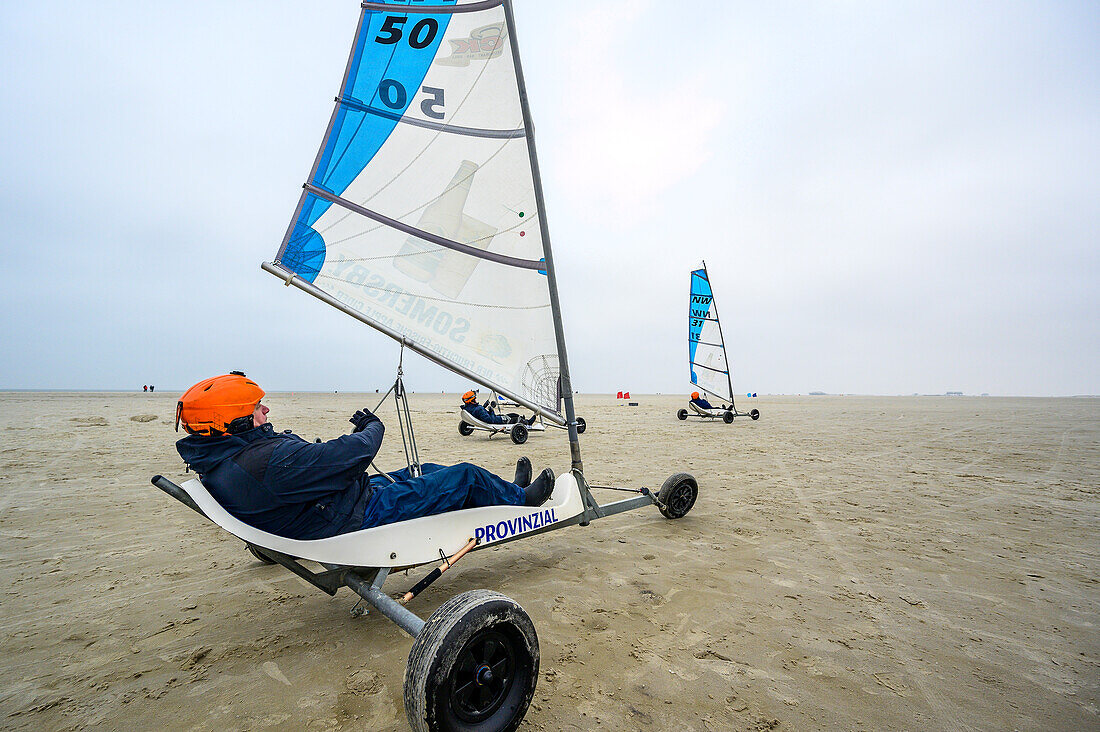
<point x="890" y="197"/>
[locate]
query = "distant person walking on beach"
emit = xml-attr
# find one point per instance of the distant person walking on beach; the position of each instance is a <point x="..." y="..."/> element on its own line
<point x="145" y="387"/>
<point x="278" y="482"/>
<point x="151" y="387"/>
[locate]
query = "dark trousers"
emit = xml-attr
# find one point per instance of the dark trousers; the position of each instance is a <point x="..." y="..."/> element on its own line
<point x="440" y="489"/>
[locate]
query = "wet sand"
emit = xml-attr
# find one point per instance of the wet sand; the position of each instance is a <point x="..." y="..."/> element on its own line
<point x="851" y="563"/>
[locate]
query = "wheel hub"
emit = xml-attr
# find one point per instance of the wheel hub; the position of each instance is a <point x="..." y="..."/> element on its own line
<point x="483" y="676"/>
<point x="680" y="499"/>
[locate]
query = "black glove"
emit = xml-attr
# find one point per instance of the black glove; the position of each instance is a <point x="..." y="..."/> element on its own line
<point x="362" y="418"/>
<point x="489" y="406"/>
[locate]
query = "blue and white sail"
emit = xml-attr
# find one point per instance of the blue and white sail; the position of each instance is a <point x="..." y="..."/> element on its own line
<point x="420" y="215"/>
<point x="707" y="360"/>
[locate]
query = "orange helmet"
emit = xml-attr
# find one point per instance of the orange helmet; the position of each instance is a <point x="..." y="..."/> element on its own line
<point x="694" y="395"/>
<point x="210" y="406"/>
<point x="469" y="397"/>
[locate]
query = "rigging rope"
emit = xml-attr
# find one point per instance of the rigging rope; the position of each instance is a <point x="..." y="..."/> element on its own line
<point x="404" y="422"/>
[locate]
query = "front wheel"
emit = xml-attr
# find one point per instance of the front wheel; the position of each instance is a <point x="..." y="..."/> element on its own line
<point x="473" y="666"/>
<point x="581" y="425"/>
<point x="755" y="414"/>
<point x="678" y="495"/>
<point x="519" y="434"/>
<point x="465" y="429"/>
<point x="682" y="414"/>
<point x="727" y="417"/>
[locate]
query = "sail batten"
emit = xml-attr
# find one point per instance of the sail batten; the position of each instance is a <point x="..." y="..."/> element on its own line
<point x="465" y="8"/>
<point x="450" y="129"/>
<point x="421" y="234"/>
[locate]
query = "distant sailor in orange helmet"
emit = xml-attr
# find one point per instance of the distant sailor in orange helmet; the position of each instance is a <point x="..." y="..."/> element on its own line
<point x="485" y="413"/>
<point x="699" y="402"/>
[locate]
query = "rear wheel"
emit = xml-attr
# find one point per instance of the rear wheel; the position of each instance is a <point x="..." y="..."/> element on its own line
<point x="727" y="417"/>
<point x="755" y="414"/>
<point x="473" y="666"/>
<point x="465" y="429"/>
<point x="682" y="414"/>
<point x="519" y="434"/>
<point x="581" y="425"/>
<point x="678" y="495"/>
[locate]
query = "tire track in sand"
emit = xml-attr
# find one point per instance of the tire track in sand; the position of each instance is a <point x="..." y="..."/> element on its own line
<point x="942" y="709"/>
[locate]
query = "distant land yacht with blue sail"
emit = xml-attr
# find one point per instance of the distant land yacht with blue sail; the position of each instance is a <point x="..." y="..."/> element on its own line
<point x="707" y="361"/>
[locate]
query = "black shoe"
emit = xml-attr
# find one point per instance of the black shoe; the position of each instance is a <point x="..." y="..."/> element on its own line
<point x="539" y="491"/>
<point x="532" y="420"/>
<point x="523" y="472"/>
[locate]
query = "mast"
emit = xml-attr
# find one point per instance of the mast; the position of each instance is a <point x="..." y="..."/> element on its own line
<point x="555" y="306"/>
<point x="725" y="351"/>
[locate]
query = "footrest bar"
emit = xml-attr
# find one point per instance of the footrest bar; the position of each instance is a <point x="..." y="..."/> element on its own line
<point x="404" y="618"/>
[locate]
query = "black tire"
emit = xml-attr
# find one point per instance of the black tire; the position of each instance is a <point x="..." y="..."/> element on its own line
<point x="519" y="434"/>
<point x="258" y="553"/>
<point x="682" y="414"/>
<point x="581" y="425"/>
<point x="465" y="429"/>
<point x="473" y="666"/>
<point x="755" y="414"/>
<point x="678" y="495"/>
<point x="727" y="417"/>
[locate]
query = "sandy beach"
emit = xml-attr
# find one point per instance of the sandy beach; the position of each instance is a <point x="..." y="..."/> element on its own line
<point x="851" y="563"/>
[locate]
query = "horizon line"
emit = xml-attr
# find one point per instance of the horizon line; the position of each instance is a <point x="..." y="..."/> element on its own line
<point x="953" y="394"/>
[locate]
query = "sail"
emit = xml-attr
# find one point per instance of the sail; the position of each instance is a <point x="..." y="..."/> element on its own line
<point x="706" y="347"/>
<point x="420" y="214"/>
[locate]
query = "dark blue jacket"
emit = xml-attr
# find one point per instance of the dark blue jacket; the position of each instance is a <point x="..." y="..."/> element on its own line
<point x="702" y="403"/>
<point x="479" y="412"/>
<point x="278" y="482"/>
